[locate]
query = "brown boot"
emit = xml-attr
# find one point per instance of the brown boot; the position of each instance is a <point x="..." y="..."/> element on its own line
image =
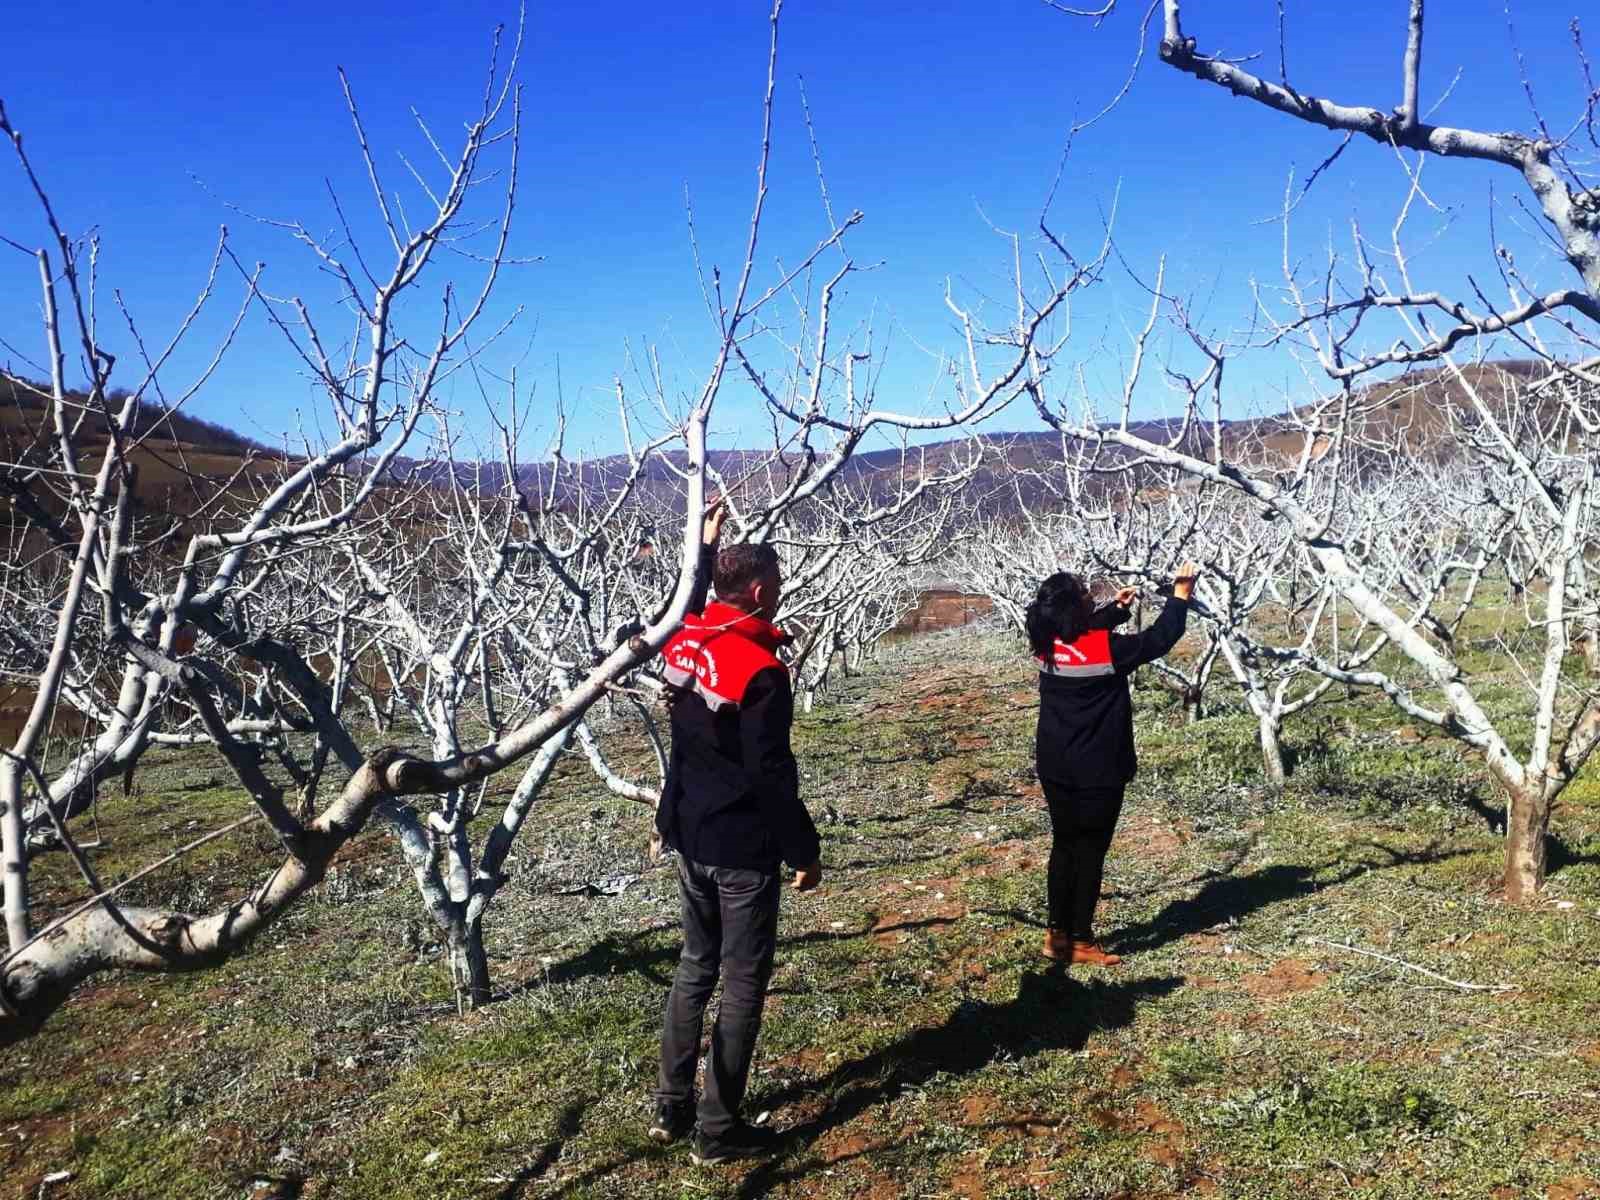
<point x="1089" y="953"/>
<point x="1058" y="944"/>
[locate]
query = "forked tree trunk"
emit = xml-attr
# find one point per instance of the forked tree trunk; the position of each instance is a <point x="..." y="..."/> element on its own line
<point x="1272" y="752"/>
<point x="469" y="965"/>
<point x="1527" y="842"/>
<point x="1193" y="704"/>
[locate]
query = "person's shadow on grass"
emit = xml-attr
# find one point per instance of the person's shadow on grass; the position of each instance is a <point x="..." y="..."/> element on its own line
<point x="1051" y="1011"/>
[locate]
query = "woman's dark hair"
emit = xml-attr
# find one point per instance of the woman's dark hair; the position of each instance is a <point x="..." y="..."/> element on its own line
<point x="1060" y="610"/>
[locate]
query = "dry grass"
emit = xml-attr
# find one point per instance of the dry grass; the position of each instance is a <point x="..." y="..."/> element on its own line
<point x="916" y="1044"/>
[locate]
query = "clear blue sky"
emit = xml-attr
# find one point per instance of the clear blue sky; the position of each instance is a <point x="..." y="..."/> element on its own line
<point x="926" y="112"/>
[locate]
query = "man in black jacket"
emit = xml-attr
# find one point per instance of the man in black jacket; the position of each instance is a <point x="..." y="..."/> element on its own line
<point x="731" y="808"/>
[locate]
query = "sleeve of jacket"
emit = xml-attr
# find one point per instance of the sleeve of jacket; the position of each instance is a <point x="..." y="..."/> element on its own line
<point x="1130" y="651"/>
<point x="702" y="579"/>
<point x="1108" y="616"/>
<point x="773" y="777"/>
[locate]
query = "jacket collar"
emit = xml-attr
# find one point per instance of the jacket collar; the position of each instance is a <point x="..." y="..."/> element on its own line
<point x="724" y="617"/>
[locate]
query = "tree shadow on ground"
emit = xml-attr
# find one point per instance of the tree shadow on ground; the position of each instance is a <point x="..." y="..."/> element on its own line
<point x="1051" y="1011"/>
<point x="1493" y="815"/>
<point x="1231" y="862"/>
<point x="1231" y="898"/>
<point x="566" y="1128"/>
<point x="632" y="953"/>
<point x="261" y="1185"/>
<point x="1561" y="855"/>
<point x="628" y="953"/>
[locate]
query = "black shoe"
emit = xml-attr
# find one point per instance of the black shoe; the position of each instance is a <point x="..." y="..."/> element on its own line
<point x="671" y="1122"/>
<point x="741" y="1141"/>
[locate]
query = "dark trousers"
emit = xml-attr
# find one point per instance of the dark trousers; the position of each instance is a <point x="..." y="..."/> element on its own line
<point x="1082" y="821"/>
<point x="730" y="927"/>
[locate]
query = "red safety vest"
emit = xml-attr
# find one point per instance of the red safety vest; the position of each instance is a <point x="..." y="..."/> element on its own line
<point x="1085" y="658"/>
<point x="718" y="652"/>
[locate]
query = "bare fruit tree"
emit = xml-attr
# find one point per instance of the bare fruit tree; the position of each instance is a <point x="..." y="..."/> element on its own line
<point x="178" y="614"/>
<point x="1534" y="431"/>
<point x="1114" y="527"/>
<point x="158" y="612"/>
<point x="321" y="589"/>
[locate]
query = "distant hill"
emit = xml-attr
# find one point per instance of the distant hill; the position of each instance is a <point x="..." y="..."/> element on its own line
<point x="182" y="453"/>
<point x="180" y="458"/>
<point x="1422" y="410"/>
<point x="24" y="406"/>
<point x="1010" y="466"/>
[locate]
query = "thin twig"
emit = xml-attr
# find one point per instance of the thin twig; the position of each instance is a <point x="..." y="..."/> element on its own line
<point x="1455" y="983"/>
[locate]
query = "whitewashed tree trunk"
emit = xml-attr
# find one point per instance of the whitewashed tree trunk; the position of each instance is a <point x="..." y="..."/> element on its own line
<point x="1271" y="751"/>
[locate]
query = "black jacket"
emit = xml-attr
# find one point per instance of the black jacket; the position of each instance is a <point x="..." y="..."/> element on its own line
<point x="732" y="793"/>
<point x="1085" y="736"/>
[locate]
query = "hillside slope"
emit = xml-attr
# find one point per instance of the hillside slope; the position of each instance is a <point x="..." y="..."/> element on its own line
<point x="181" y="454"/>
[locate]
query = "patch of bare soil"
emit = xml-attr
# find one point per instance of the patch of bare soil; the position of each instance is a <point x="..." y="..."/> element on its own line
<point x="952" y="778"/>
<point x="812" y="1060"/>
<point x="946" y="699"/>
<point x="948" y="779"/>
<point x="930" y="685"/>
<point x="1149" y="1117"/>
<point x="1559" y="1144"/>
<point x="891" y="929"/>
<point x="848" y="1149"/>
<point x="1284" y="978"/>
<point x="928" y="904"/>
<point x="1165" y="1140"/>
<point x="839" y="1146"/>
<point x="1161" y="839"/>
<point x="1164" y="1153"/>
<point x="963" y="972"/>
<point x="985" y="1111"/>
<point x="1004" y="858"/>
<point x="1574" y="1187"/>
<point x="979" y="1108"/>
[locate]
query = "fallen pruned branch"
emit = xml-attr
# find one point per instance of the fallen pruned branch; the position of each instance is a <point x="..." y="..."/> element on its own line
<point x="1389" y="958"/>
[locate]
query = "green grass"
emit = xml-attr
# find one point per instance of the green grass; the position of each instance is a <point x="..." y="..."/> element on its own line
<point x="915" y="1043"/>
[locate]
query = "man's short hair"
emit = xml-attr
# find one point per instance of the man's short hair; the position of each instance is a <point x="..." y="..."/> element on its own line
<point x="738" y="568"/>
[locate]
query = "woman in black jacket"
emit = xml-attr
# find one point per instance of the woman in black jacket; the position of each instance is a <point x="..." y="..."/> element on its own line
<point x="1084" y="748"/>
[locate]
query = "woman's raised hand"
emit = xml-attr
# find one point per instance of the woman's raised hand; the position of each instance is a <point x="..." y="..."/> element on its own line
<point x="1183" y="581"/>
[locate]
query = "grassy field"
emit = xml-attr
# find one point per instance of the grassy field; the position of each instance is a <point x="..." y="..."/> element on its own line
<point x="1253" y="1044"/>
